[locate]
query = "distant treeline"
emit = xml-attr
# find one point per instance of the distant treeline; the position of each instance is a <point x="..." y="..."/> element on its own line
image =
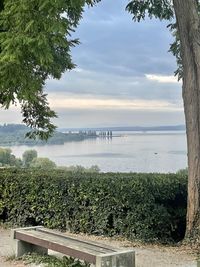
<point x="31" y="160"/>
<point x="15" y="134"/>
<point x="133" y="128"/>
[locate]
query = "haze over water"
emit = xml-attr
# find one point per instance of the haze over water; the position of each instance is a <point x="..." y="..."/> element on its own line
<point x="125" y="152"/>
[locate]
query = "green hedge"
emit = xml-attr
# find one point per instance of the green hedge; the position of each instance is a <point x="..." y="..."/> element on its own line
<point x="134" y="205"/>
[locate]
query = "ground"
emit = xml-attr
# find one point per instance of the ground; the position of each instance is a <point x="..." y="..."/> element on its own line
<point x="146" y="255"/>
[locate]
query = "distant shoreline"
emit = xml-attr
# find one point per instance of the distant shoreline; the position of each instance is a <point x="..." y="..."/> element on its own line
<point x="128" y="128"/>
<point x="14" y="134"/>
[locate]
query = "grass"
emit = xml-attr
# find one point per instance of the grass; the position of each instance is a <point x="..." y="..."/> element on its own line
<point x="51" y="261"/>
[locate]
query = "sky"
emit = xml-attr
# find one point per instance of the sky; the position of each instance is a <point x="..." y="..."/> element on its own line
<point x="124" y="74"/>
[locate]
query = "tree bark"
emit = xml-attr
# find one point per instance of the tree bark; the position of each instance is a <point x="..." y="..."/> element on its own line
<point x="188" y="24"/>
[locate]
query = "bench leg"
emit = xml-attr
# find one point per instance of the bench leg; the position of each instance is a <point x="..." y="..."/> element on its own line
<point x="118" y="260"/>
<point x="24" y="248"/>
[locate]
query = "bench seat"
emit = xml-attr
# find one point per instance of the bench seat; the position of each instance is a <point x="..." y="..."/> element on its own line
<point x="40" y="239"/>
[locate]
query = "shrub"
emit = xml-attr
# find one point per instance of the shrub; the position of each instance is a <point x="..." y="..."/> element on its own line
<point x="42" y="163"/>
<point x="79" y="168"/>
<point x="183" y="172"/>
<point x="134" y="205"/>
<point x="28" y="156"/>
<point x="7" y="159"/>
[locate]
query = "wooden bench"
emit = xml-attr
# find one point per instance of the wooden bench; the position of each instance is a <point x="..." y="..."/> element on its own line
<point x="39" y="239"/>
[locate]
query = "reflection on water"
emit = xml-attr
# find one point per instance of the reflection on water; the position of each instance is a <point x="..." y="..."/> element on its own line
<point x="125" y="152"/>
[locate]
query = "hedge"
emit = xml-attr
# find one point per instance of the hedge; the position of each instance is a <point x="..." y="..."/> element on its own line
<point x="135" y="205"/>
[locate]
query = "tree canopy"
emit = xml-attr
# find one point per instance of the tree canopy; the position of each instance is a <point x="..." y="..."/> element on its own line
<point x="42" y="163"/>
<point x="162" y="9"/>
<point x="8" y="159"/>
<point x="35" y="45"/>
<point x="28" y="156"/>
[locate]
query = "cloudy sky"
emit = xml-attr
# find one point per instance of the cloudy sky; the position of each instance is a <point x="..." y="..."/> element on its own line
<point x="124" y="74"/>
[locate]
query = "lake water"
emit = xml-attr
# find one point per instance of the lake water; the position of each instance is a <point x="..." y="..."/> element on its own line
<point x="125" y="152"/>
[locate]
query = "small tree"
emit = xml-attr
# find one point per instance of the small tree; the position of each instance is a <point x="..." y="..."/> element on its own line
<point x="42" y="163"/>
<point x="8" y="159"/>
<point x="28" y="157"/>
<point x="93" y="169"/>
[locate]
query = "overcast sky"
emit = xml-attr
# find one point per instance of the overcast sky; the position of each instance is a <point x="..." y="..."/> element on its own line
<point x="124" y="74"/>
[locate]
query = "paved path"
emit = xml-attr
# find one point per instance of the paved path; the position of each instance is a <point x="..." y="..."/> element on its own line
<point x="5" y="243"/>
<point x="146" y="256"/>
<point x="7" y="250"/>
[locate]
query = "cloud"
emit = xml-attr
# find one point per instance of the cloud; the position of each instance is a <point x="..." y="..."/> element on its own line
<point x="116" y="54"/>
<point x="79" y="70"/>
<point x="101" y="85"/>
<point x="161" y="78"/>
<point x="11" y="115"/>
<point x="76" y="118"/>
<point x="90" y="103"/>
<point x="123" y="71"/>
<point x="110" y="38"/>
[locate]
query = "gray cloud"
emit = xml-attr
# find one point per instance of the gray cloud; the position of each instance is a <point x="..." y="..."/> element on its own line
<point x="114" y="86"/>
<point x="11" y="115"/>
<point x="115" y="55"/>
<point x="112" y="60"/>
<point x="117" y="41"/>
<point x="100" y="118"/>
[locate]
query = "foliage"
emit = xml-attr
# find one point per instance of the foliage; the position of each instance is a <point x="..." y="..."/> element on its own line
<point x="78" y="168"/>
<point x="35" y="44"/>
<point x="8" y="159"/>
<point x="42" y="163"/>
<point x="134" y="205"/>
<point x="12" y="128"/>
<point x="28" y="157"/>
<point x="161" y="9"/>
<point x="52" y="261"/>
<point x="15" y="134"/>
<point x="183" y="172"/>
<point x="30" y="160"/>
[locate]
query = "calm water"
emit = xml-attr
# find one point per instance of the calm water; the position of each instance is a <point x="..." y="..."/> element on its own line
<point x="125" y="152"/>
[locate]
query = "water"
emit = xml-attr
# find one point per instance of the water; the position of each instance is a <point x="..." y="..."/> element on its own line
<point x="125" y="152"/>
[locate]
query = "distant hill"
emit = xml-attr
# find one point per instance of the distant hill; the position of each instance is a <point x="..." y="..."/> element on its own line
<point x="129" y="128"/>
<point x="11" y="128"/>
<point x="14" y="134"/>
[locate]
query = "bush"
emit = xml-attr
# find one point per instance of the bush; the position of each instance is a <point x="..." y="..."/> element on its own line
<point x="42" y="163"/>
<point x="28" y="156"/>
<point x="134" y="205"/>
<point x="79" y="168"/>
<point x="7" y="159"/>
<point x="183" y="172"/>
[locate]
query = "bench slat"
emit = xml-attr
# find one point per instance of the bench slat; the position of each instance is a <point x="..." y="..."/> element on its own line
<point x="73" y="243"/>
<point x="40" y="239"/>
<point x="62" y="248"/>
<point x="89" y="242"/>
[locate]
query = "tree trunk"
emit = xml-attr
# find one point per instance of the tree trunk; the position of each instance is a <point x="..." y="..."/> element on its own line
<point x="188" y="24"/>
